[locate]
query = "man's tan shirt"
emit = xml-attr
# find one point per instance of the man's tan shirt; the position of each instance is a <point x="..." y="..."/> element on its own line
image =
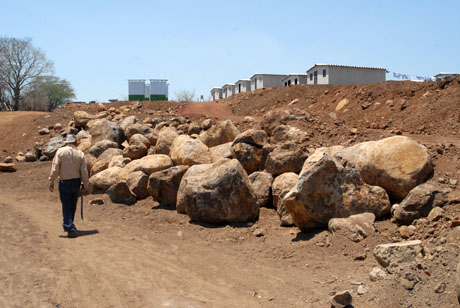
<point x="69" y="163"/>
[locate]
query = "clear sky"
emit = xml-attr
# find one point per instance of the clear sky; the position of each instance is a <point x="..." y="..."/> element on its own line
<point x="197" y="45"/>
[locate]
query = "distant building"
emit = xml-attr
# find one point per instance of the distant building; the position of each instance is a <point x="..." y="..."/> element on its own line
<point x="156" y="90"/>
<point x="259" y="81"/>
<point x="293" y="79"/>
<point x="228" y="89"/>
<point x="346" y="75"/>
<point x="216" y="93"/>
<point x="441" y="76"/>
<point x="243" y="85"/>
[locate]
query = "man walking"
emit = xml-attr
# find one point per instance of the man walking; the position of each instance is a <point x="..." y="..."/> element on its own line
<point x="70" y="166"/>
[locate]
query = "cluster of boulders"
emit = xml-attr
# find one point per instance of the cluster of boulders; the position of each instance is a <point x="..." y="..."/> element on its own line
<point x="215" y="173"/>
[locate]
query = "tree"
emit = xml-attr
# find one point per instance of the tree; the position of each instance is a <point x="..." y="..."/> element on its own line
<point x="48" y="93"/>
<point x="20" y="65"/>
<point x="185" y="95"/>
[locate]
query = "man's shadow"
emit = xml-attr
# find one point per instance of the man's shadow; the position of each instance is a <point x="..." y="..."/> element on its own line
<point x="80" y="233"/>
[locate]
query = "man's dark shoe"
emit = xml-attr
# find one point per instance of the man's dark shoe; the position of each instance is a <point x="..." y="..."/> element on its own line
<point x="72" y="234"/>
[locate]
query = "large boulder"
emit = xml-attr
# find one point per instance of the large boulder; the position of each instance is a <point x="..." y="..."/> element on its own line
<point x="137" y="129"/>
<point x="397" y="164"/>
<point x="254" y="137"/>
<point x="120" y="193"/>
<point x="262" y="182"/>
<point x="104" y="159"/>
<point x="286" y="158"/>
<point x="280" y="187"/>
<point x="222" y="151"/>
<point x="326" y="190"/>
<point x="147" y="164"/>
<point x="283" y="133"/>
<point x="166" y="138"/>
<point x="106" y="130"/>
<point x="135" y="150"/>
<point x="85" y="142"/>
<point x="163" y="185"/>
<point x="81" y="118"/>
<point x="248" y="155"/>
<point x="104" y="179"/>
<point x="218" y="193"/>
<point x="356" y="227"/>
<point x="52" y="146"/>
<point x="220" y="133"/>
<point x="119" y="161"/>
<point x="137" y="183"/>
<point x="188" y="151"/>
<point x="101" y="146"/>
<point x="139" y="139"/>
<point x="420" y="201"/>
<point x="128" y="121"/>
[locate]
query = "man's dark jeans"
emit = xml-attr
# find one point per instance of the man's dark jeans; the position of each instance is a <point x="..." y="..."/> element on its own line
<point x="69" y="191"/>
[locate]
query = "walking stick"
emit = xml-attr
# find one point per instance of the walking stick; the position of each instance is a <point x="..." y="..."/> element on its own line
<point x="81" y="202"/>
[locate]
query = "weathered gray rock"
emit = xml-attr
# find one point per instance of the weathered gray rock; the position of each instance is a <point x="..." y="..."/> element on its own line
<point x="280" y="187"/>
<point x="341" y="299"/>
<point x="394" y="254"/>
<point x="147" y="164"/>
<point x="101" y="146"/>
<point x="206" y="124"/>
<point x="52" y="146"/>
<point x="262" y="182"/>
<point x="106" y="130"/>
<point x="81" y="118"/>
<point x="163" y="185"/>
<point x="135" y="150"/>
<point x="120" y="193"/>
<point x="420" y="201"/>
<point x="188" y="151"/>
<point x="286" y="158"/>
<point x="356" y="227"/>
<point x="166" y="138"/>
<point x="44" y="131"/>
<point x="436" y="213"/>
<point x="104" y="179"/>
<point x="218" y="193"/>
<point x="137" y="183"/>
<point x="7" y="167"/>
<point x="222" y="151"/>
<point x="8" y="160"/>
<point x="326" y="190"/>
<point x="377" y="274"/>
<point x="29" y="157"/>
<point x="194" y="128"/>
<point x="254" y="137"/>
<point x="398" y="164"/>
<point x="220" y="133"/>
<point x="319" y="153"/>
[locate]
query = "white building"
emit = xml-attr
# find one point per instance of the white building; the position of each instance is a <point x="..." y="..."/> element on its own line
<point x="293" y="79"/>
<point x="157" y="90"/>
<point x="443" y="75"/>
<point x="346" y="75"/>
<point x="259" y="81"/>
<point x="228" y="90"/>
<point x="243" y="85"/>
<point x="216" y="93"/>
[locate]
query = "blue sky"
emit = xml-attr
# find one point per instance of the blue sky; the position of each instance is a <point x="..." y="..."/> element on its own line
<point x="196" y="45"/>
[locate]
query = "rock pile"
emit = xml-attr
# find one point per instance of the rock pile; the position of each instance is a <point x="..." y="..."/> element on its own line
<point x="216" y="174"/>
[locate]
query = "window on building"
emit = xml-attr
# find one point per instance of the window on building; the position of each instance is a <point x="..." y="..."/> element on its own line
<point x="311" y="76"/>
<point x="285" y="84"/>
<point x="289" y="82"/>
<point x="324" y="73"/>
<point x="295" y="81"/>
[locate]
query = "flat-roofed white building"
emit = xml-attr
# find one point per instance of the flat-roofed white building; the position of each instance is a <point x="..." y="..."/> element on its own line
<point x="259" y="81"/>
<point x="243" y="85"/>
<point x="216" y="93"/>
<point x="443" y="75"/>
<point x="293" y="79"/>
<point x="228" y="89"/>
<point x="343" y="74"/>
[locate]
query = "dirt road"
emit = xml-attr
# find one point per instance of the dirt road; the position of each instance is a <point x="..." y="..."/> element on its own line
<point x="143" y="257"/>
